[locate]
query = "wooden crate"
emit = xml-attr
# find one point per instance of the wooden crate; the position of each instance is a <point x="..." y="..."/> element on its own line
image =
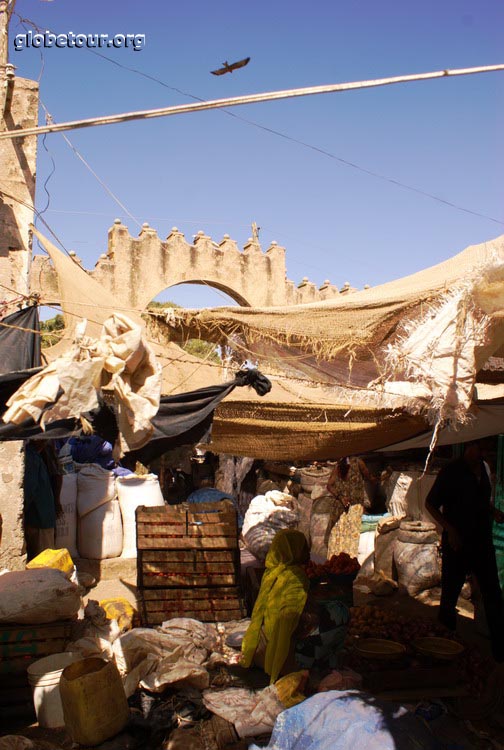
<point x="188" y="568"/>
<point x="188" y="562"/>
<point x="204" y="604"/>
<point x="168" y="528"/>
<point x="20" y="646"/>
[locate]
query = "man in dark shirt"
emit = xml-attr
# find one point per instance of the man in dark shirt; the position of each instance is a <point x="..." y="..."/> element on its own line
<point x="460" y="501"/>
<point x="40" y="506"/>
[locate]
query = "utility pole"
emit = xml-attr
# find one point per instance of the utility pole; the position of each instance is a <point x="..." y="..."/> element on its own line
<point x="6" y="10"/>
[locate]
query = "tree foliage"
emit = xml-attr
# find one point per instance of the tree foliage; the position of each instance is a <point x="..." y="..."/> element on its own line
<point x="49" y="328"/>
<point x="196" y="347"/>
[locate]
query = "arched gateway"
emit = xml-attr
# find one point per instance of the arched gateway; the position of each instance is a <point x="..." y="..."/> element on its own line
<point x="137" y="269"/>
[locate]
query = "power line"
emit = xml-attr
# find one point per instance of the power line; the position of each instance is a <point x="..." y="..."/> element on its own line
<point x="317" y="149"/>
<point x="310" y="146"/>
<point x="50" y="119"/>
<point x="179" y="109"/>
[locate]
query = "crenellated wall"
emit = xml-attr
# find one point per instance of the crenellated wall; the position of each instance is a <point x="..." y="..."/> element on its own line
<point x="137" y="269"/>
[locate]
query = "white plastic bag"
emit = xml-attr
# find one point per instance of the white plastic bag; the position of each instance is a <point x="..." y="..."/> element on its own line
<point x="266" y="515"/>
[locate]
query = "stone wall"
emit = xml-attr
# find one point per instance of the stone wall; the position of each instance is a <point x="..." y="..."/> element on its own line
<point x="17" y="171"/>
<point x="12" y="551"/>
<point x="137" y="269"/>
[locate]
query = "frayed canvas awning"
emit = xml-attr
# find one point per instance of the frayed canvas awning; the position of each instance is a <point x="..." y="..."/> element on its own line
<point x="420" y="339"/>
<point x="349" y="375"/>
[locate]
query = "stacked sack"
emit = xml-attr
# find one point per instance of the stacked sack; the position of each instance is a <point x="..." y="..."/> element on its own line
<point x="100" y="531"/>
<point x="266" y="515"/>
<point x="416" y="556"/>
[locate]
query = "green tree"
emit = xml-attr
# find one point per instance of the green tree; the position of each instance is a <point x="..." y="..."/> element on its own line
<point x="196" y="347"/>
<point x="49" y="328"/>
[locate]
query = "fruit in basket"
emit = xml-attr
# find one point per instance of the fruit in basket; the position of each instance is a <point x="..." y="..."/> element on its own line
<point x="338" y="565"/>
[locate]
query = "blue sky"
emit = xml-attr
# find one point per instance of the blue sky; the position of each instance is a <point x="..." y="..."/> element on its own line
<point x="212" y="172"/>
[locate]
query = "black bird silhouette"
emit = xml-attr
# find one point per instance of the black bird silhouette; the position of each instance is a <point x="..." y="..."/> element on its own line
<point x="228" y="68"/>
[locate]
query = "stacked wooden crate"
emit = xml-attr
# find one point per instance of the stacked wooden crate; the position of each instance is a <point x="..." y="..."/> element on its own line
<point x="189" y="563"/>
<point x="20" y="646"/>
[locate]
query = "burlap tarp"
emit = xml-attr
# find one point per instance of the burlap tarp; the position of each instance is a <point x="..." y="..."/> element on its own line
<point x="330" y="361"/>
<point x="353" y="325"/>
<point x="422" y="338"/>
<point x="294" y="431"/>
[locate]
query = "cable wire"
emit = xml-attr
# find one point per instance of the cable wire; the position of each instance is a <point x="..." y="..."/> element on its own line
<point x="276" y="95"/>
<point x="49" y="118"/>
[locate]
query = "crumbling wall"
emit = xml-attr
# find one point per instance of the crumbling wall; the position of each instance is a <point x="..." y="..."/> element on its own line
<point x="137" y="269"/>
<point x="12" y="548"/>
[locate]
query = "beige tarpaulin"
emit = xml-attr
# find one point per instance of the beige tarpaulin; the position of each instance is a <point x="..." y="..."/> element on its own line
<point x="423" y="337"/>
<point x="82" y="298"/>
<point x="102" y="347"/>
<point x="349" y="324"/>
<point x="120" y="360"/>
<point x="322" y="357"/>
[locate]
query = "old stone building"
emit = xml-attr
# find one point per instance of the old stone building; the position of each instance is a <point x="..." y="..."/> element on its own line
<point x="17" y="169"/>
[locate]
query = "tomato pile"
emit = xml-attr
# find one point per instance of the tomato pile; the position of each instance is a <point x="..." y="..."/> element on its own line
<point x="338" y="565"/>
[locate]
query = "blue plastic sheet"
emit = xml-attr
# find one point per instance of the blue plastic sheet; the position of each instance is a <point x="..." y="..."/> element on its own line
<point x="348" y="720"/>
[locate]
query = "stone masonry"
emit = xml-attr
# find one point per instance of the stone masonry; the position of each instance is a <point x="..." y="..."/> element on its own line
<point x="137" y="269"/>
<point x="17" y="174"/>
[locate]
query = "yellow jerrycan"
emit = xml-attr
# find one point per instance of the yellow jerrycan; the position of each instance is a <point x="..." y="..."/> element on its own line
<point x="93" y="699"/>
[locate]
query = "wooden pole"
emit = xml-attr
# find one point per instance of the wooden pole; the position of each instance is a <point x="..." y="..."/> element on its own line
<point x="239" y="100"/>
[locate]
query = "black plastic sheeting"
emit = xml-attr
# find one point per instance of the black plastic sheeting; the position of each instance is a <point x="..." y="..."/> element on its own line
<point x="20" y="341"/>
<point x="182" y="419"/>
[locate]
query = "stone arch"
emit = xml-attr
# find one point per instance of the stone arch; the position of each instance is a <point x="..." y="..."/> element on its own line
<point x="219" y="286"/>
<point x="136" y="269"/>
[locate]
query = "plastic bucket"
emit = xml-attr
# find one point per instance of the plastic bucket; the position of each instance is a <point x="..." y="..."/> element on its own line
<point x="44" y="677"/>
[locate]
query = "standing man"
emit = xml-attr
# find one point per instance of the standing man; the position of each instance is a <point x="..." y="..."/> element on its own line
<point x="460" y="501"/>
<point x="40" y="502"/>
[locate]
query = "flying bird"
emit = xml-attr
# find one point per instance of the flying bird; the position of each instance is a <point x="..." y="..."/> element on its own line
<point x="228" y="68"/>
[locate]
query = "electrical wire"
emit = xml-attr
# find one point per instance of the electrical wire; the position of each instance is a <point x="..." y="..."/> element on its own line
<point x="49" y="118"/>
<point x="44" y="139"/>
<point x="304" y="144"/>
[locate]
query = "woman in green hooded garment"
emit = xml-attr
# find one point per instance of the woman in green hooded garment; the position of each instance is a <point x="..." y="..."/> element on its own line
<point x="281" y="600"/>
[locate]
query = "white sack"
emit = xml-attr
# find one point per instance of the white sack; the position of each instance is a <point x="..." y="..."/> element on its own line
<point x="175" y="654"/>
<point x="175" y="671"/>
<point x="252" y="712"/>
<point x="32" y="597"/>
<point x="66" y="523"/>
<point x="407" y="492"/>
<point x="133" y="491"/>
<point x="100" y="533"/>
<point x="266" y="515"/>
<point x="189" y="639"/>
<point x="95" y="487"/>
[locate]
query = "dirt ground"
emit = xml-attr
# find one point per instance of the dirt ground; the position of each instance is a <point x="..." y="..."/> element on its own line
<point x="452" y="732"/>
